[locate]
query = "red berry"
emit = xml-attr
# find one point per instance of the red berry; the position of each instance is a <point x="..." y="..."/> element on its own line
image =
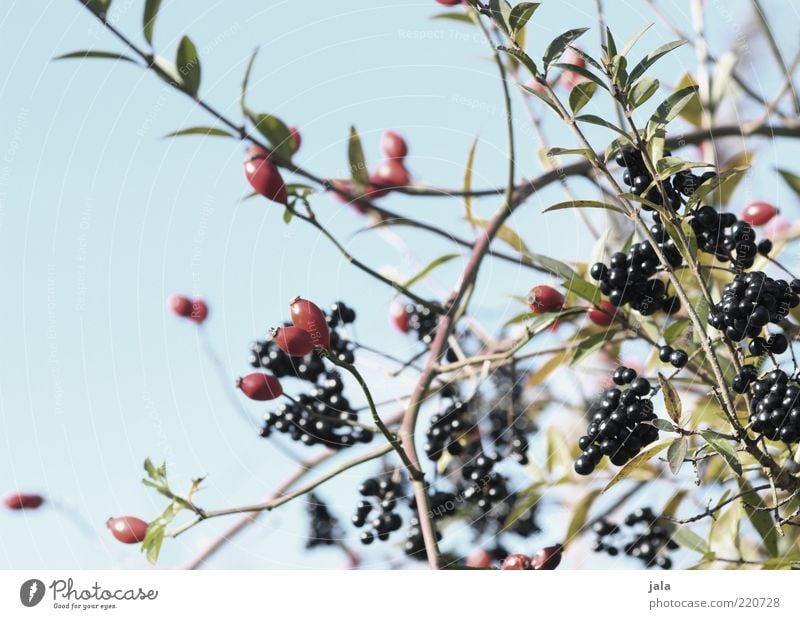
<point x="180" y="305"/>
<point x="296" y="139"/>
<point x="604" y="315"/>
<point x="547" y="558"/>
<point x="393" y="145"/>
<point x="389" y="174"/>
<point x="310" y="318"/>
<point x="294" y="341"/>
<point x="348" y="188"/>
<point x="399" y="317"/>
<point x="127" y="529"/>
<point x="199" y="311"/>
<point x="20" y="500"/>
<point x="264" y="176"/>
<point x="261" y="387"/>
<point x="758" y="213"/>
<point x="449" y="2"/>
<point x="480" y="559"/>
<point x="516" y="562"/>
<point x="543" y="299"/>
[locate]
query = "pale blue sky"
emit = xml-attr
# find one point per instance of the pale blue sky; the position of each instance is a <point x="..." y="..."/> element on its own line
<point x="100" y="219"/>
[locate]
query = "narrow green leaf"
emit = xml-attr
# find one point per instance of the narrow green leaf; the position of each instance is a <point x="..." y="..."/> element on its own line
<point x="643" y="90"/>
<point x="672" y="105"/>
<point x="583" y="289"/>
<point x="501" y="11"/>
<point x="558" y="45"/>
<point x="602" y="122"/>
<point x="543" y="96"/>
<point x="661" y="424"/>
<point x="468" y="180"/>
<point x="579" y="515"/>
<point x="676" y="454"/>
<point x="713" y="183"/>
<point x="690" y="540"/>
<point x="98" y="7"/>
<point x="355" y="153"/>
<point x="288" y="215"/>
<point x="792" y="179"/>
<point x="149" y="19"/>
<point x="646" y="62"/>
<point x="276" y="132"/>
<point x="460" y="17"/>
<point x="671" y="507"/>
<point x="619" y="72"/>
<point x="611" y="44"/>
<point x="246" y="80"/>
<point x="506" y="234"/>
<point x="669" y="166"/>
<point x="520" y="15"/>
<point x="153" y="540"/>
<point x="638" y="461"/>
<point x="151" y="470"/>
<point x="90" y="53"/>
<point x="556" y="151"/>
<point x="672" y="399"/>
<point x="583" y="204"/>
<point x="595" y="79"/>
<point x="590" y="344"/>
<point x="188" y="64"/>
<point x="564" y="271"/>
<point x="723" y="448"/>
<point x="524" y="58"/>
<point x="209" y="131"/>
<point x="634" y="39"/>
<point x="581" y="95"/>
<point x="430" y="267"/>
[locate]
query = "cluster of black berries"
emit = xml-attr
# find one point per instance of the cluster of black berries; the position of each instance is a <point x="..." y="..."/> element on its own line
<point x="674" y="356"/>
<point x="447" y="429"/>
<point x="319" y="417"/>
<point x="686" y="182"/>
<point x="440" y="504"/>
<point x="750" y="302"/>
<point x="385" y="489"/>
<point x="618" y="428"/>
<point x="422" y="321"/>
<point x="629" y="277"/>
<point x="325" y="529"/>
<point x="509" y="424"/>
<point x="267" y="355"/>
<point x="727" y="238"/>
<point x="645" y="537"/>
<point x="638" y="179"/>
<point x="775" y="407"/>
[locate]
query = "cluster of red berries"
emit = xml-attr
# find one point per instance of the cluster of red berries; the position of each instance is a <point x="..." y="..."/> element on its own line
<point x="391" y="173"/>
<point x="775" y="407"/>
<point x="547" y="558"/>
<point x="646" y="537"/>
<point x="628" y="279"/>
<point x="185" y="307"/>
<point x="325" y="530"/>
<point x="750" y="302"/>
<point x="618" y="427"/>
<point x="386" y="489"/>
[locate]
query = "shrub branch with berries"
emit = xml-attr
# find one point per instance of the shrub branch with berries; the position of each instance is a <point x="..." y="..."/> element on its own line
<point x="682" y="311"/>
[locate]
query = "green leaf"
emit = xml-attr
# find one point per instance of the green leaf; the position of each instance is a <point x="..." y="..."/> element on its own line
<point x="208" y="131"/>
<point x="543" y="96"/>
<point x="693" y="111"/>
<point x="661" y="424"/>
<point x="98" y="7"/>
<point x="559" y="45"/>
<point x="521" y="508"/>
<point x="759" y="518"/>
<point x="188" y="64"/>
<point x="590" y="344"/>
<point x="506" y="234"/>
<point x="581" y="95"/>
<point x="611" y="44"/>
<point x="619" y="73"/>
<point x="638" y="461"/>
<point x="433" y="264"/>
<point x="792" y="179"/>
<point x="668" y="166"/>
<point x="556" y="151"/>
<point x="246" y="80"/>
<point x="583" y="289"/>
<point x="690" y="540"/>
<point x="462" y="17"/>
<point x="501" y="11"/>
<point x="154" y="538"/>
<point x="525" y="60"/>
<point x="564" y="271"/>
<point x="723" y="69"/>
<point x="355" y="154"/>
<point x="671" y="507"/>
<point x="723" y="448"/>
<point x="149" y="19"/>
<point x="726" y="188"/>
<point x="583" y="204"/>
<point x="520" y="15"/>
<point x="580" y="515"/>
<point x="676" y="329"/>
<point x="276" y="132"/>
<point x="672" y="399"/>
<point x="566" y="66"/>
<point x="90" y="53"/>
<point x="646" y="62"/>
<point x="643" y="90"/>
<point x="579" y="52"/>
<point x="151" y="470"/>
<point x="468" y="180"/>
<point x="602" y="122"/>
<point x="634" y="39"/>
<point x="672" y="105"/>
<point x="676" y="454"/>
<point x="713" y="183"/>
<point x="288" y="215"/>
